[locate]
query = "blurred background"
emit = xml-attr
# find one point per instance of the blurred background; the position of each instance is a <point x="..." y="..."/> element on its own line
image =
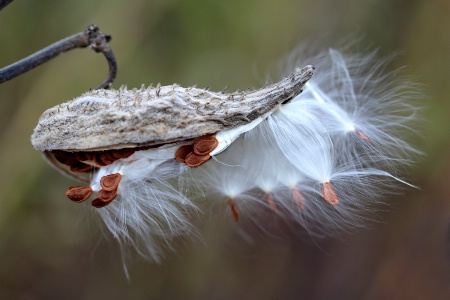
<point x="49" y="251"/>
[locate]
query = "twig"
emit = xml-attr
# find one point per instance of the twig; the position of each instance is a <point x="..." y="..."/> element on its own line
<point x="3" y="3"/>
<point x="91" y="37"/>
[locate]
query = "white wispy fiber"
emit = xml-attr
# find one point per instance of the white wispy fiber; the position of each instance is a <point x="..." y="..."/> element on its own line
<point x="367" y="111"/>
<point x="325" y="159"/>
<point x="328" y="157"/>
<point x="148" y="211"/>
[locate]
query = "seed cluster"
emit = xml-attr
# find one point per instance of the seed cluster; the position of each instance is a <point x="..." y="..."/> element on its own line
<point x="86" y="161"/>
<point x="106" y="195"/>
<point x="198" y="153"/>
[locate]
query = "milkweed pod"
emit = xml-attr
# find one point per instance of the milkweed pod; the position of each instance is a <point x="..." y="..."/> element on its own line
<point x="112" y="120"/>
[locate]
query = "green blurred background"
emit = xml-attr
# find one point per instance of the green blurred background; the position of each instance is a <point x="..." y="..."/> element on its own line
<point x="49" y="251"/>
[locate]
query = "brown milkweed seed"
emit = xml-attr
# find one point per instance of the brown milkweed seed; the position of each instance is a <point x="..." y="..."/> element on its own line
<point x="106" y="158"/>
<point x="298" y="198"/>
<point x="271" y="202"/>
<point x="328" y="194"/>
<point x="234" y="209"/>
<point x="362" y="135"/>
<point x="182" y="152"/>
<point x="97" y="203"/>
<point x="83" y="156"/>
<point x="122" y="153"/>
<point x="80" y="167"/>
<point x="193" y="160"/>
<point x="64" y="157"/>
<point x="102" y="158"/>
<point x="110" y="182"/>
<point x="205" y="145"/>
<point x="107" y="196"/>
<point x="79" y="194"/>
<point x="97" y="160"/>
<point x="109" y="155"/>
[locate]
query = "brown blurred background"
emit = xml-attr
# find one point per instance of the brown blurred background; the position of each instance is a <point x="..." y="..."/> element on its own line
<point x="49" y="251"/>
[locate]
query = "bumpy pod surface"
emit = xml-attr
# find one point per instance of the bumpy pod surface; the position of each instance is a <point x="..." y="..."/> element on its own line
<point x="149" y="117"/>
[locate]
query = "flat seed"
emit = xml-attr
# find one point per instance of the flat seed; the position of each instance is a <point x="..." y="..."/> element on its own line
<point x="328" y="194"/>
<point x="101" y="159"/>
<point x="194" y="160"/>
<point x="116" y="154"/>
<point x="205" y="145"/>
<point x="109" y="155"/>
<point x="97" y="203"/>
<point x="122" y="153"/>
<point x="105" y="158"/>
<point x="298" y="198"/>
<point x="80" y="167"/>
<point x="110" y="182"/>
<point x="182" y="152"/>
<point x="271" y="202"/>
<point x="64" y="157"/>
<point x="98" y="160"/>
<point x="234" y="210"/>
<point x="107" y="196"/>
<point x="79" y="194"/>
<point x="83" y="156"/>
<point x="89" y="155"/>
<point x="362" y="135"/>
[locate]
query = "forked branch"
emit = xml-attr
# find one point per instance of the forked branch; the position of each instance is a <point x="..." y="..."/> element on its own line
<point x="91" y="37"/>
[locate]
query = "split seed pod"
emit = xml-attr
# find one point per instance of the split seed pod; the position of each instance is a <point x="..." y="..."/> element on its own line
<point x="103" y="121"/>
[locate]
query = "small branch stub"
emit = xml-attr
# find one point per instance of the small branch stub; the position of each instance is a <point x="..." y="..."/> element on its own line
<point x="91" y="37"/>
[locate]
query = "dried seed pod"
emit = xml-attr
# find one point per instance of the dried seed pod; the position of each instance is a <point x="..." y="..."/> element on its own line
<point x="103" y="120"/>
<point x="79" y="193"/>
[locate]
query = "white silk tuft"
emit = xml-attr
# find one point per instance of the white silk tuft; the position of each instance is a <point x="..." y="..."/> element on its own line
<point x="325" y="159"/>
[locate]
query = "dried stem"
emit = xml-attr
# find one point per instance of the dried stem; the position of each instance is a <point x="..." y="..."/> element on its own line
<point x="91" y="37"/>
<point x="4" y="3"/>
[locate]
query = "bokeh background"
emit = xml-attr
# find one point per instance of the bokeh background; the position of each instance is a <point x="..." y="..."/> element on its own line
<point x="49" y="251"/>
